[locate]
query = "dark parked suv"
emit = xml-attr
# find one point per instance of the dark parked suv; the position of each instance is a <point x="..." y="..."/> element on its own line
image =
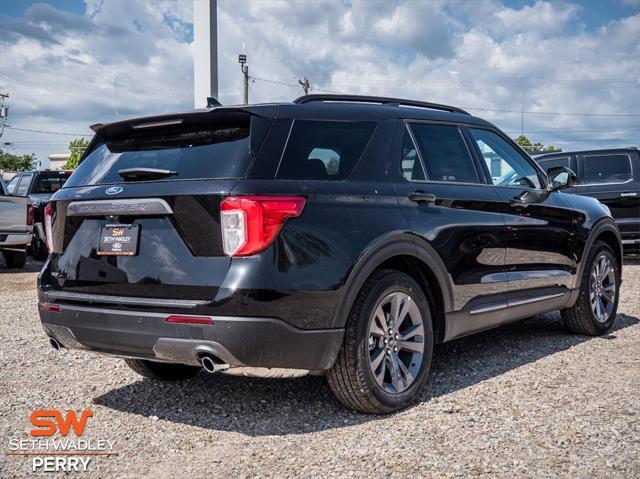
<point x="613" y="177"/>
<point x="336" y="235"/>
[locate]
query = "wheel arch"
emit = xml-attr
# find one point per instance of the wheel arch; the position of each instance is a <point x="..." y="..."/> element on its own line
<point x="605" y="230"/>
<point x="407" y="253"/>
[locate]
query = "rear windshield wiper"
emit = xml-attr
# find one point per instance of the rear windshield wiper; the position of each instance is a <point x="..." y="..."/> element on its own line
<point x="129" y="174"/>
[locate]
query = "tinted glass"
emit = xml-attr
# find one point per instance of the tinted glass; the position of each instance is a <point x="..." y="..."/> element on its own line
<point x="221" y="152"/>
<point x="606" y="168"/>
<point x="410" y="163"/>
<point x="324" y="150"/>
<point x="445" y="153"/>
<point x="506" y="165"/>
<point x="49" y="182"/>
<point x="23" y="188"/>
<point x="13" y="184"/>
<point x="554" y="162"/>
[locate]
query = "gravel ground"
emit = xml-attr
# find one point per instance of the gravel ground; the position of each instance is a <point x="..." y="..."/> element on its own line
<point x="524" y="400"/>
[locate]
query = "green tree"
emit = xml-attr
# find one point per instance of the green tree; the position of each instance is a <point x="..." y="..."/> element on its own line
<point x="537" y="147"/>
<point x="9" y="162"/>
<point x="77" y="148"/>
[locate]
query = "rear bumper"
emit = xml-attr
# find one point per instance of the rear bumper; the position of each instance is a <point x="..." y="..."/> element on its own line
<point x="15" y="240"/>
<point x="237" y="341"/>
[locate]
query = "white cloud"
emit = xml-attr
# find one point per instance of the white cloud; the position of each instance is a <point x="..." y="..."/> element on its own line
<point x="66" y="71"/>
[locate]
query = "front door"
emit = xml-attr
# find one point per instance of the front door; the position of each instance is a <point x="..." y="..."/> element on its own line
<point x="539" y="241"/>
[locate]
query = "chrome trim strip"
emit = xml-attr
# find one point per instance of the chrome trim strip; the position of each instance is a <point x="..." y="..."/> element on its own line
<point x="488" y="308"/>
<point x="138" y="207"/>
<point x="128" y="300"/>
<point x="535" y="299"/>
<point x="631" y="241"/>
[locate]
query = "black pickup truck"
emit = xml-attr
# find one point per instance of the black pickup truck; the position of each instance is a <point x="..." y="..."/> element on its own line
<point x="613" y="177"/>
<point x="38" y="186"/>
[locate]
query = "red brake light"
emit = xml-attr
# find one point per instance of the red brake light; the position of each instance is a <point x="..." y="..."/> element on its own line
<point x="189" y="320"/>
<point x="250" y="223"/>
<point x="48" y="221"/>
<point x="29" y="214"/>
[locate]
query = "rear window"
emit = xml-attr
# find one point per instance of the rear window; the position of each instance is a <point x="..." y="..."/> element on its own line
<point x="606" y="168"/>
<point x="324" y="150"/>
<point x="50" y="183"/>
<point x="193" y="152"/>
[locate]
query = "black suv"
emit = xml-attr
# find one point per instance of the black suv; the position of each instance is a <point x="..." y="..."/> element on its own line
<point x="337" y="235"/>
<point x="613" y="177"/>
<point x="38" y="186"/>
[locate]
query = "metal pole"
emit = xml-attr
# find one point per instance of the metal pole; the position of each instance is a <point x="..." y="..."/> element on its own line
<point x="245" y="71"/>
<point x="205" y="51"/>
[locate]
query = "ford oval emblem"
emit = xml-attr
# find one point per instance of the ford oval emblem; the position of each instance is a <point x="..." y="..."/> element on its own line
<point x="114" y="190"/>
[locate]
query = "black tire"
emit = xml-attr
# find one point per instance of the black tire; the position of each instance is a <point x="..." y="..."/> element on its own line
<point x="162" y="371"/>
<point x="15" y="259"/>
<point x="39" y="249"/>
<point x="581" y="318"/>
<point x="352" y="377"/>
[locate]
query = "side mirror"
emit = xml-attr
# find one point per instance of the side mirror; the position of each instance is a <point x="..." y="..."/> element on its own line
<point x="561" y="177"/>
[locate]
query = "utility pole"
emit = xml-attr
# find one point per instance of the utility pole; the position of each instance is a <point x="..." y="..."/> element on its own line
<point x="205" y="51"/>
<point x="4" y="112"/>
<point x="242" y="60"/>
<point x="306" y="86"/>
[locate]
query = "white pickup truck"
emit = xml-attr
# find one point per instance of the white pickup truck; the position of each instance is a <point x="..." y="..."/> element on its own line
<point x="16" y="227"/>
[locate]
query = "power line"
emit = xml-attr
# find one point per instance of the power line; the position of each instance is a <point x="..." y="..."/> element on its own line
<point x="552" y="112"/>
<point x="47" y="132"/>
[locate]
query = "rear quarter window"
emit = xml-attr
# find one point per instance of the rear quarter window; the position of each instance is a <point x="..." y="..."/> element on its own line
<point x="324" y="150"/>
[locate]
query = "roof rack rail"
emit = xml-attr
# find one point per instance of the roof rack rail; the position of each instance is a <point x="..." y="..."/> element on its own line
<point x="377" y="99"/>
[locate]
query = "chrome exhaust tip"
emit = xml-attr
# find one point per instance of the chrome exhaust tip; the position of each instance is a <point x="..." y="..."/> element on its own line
<point x="55" y="344"/>
<point x="211" y="364"/>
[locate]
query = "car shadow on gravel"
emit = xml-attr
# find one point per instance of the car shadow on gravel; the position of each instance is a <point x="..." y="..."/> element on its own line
<point x="258" y="407"/>
<point x="32" y="266"/>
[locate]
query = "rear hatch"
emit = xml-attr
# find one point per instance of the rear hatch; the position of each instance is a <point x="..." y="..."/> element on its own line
<point x="140" y="217"/>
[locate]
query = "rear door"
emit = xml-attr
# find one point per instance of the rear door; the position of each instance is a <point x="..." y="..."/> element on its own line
<point x="445" y="198"/>
<point x="155" y="188"/>
<point x="614" y="179"/>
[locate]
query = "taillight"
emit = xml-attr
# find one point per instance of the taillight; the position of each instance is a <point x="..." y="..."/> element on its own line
<point x="250" y="223"/>
<point x="30" y="214"/>
<point x="48" y="217"/>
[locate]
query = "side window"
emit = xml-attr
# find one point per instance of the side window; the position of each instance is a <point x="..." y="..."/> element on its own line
<point x="553" y="163"/>
<point x="606" y="168"/>
<point x="445" y="153"/>
<point x="506" y="165"/>
<point x="23" y="188"/>
<point x="410" y="164"/>
<point x="13" y="184"/>
<point x="324" y="150"/>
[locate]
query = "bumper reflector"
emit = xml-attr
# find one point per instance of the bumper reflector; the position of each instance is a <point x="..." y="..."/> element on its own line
<point x="52" y="308"/>
<point x="189" y="320"/>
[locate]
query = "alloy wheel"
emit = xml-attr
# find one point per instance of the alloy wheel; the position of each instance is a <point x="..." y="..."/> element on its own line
<point x="603" y="288"/>
<point x="396" y="342"/>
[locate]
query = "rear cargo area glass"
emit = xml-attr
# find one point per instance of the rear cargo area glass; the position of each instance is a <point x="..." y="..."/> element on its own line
<point x="192" y="152"/>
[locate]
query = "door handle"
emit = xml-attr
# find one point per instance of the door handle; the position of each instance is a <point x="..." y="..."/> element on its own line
<point x="422" y="197"/>
<point x="631" y="193"/>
